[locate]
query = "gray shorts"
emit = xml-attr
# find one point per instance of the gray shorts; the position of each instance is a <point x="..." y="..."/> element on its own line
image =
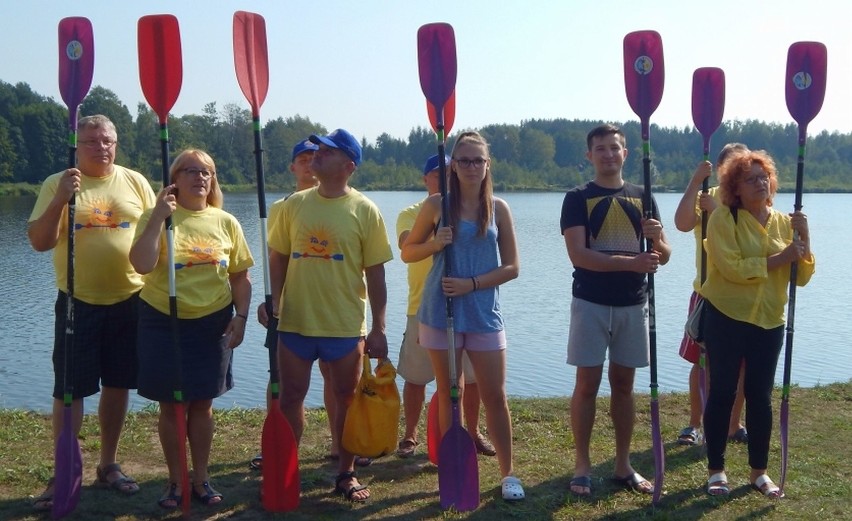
<point x="596" y="327"/>
<point x="415" y="366"/>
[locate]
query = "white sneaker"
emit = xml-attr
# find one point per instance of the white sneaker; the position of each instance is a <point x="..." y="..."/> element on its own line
<point x="512" y="489"/>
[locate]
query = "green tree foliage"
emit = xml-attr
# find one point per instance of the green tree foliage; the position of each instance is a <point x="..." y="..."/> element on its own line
<point x="535" y="155"/>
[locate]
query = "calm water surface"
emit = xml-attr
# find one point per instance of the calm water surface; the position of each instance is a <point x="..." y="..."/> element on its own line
<point x="535" y="305"/>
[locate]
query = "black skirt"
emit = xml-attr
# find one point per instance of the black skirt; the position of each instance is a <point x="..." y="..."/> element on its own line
<point x="204" y="371"/>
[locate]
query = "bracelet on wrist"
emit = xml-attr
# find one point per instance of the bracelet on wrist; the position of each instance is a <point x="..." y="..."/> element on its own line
<point x="244" y="317"/>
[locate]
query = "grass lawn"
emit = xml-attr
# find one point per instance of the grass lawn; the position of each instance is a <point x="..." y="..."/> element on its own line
<point x="818" y="483"/>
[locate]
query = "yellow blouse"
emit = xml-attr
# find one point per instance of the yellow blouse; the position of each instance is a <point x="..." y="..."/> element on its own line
<point x="738" y="283"/>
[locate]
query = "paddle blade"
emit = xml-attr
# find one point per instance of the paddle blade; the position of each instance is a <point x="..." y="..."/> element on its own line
<point x="281" y="487"/>
<point x="251" y="60"/>
<point x="659" y="452"/>
<point x="76" y="62"/>
<point x="433" y="429"/>
<point x="160" y="65"/>
<point x="458" y="473"/>
<point x="644" y="73"/>
<point x="449" y="115"/>
<point x="805" y="82"/>
<point x="436" y="58"/>
<point x="708" y="101"/>
<point x="68" y="469"/>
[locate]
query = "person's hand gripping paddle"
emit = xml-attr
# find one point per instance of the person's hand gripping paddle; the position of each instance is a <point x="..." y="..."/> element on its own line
<point x="76" y="66"/>
<point x="280" y="487"/>
<point x="644" y="76"/>
<point x="161" y="75"/>
<point x="804" y="86"/>
<point x="708" y="107"/>
<point x="458" y="471"/>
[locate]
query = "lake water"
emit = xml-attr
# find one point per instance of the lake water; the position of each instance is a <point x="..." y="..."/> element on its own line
<point x="535" y="305"/>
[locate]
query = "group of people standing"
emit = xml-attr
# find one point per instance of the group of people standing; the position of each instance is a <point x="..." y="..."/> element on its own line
<point x="327" y="246"/>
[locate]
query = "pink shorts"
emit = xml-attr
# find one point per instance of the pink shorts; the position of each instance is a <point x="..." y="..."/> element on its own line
<point x="434" y="338"/>
<point x="689" y="350"/>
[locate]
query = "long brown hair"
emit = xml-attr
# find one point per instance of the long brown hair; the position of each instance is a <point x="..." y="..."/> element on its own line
<point x="486" y="189"/>
<point x="214" y="196"/>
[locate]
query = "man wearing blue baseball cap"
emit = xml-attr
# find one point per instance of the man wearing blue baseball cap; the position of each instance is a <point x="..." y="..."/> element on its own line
<point x="341" y="140"/>
<point x="414" y="365"/>
<point x="300" y="165"/>
<point x="327" y="241"/>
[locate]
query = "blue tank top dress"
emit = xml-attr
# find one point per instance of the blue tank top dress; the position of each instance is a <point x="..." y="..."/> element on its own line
<point x="472" y="255"/>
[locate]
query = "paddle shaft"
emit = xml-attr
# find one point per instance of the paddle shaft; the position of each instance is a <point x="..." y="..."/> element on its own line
<point x="659" y="456"/>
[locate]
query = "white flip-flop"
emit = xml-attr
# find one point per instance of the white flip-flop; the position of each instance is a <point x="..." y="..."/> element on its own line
<point x="512" y="489"/>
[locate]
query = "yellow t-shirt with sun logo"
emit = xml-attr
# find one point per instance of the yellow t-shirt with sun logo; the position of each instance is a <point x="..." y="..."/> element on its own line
<point x="329" y="242"/>
<point x="417" y="271"/>
<point x="107" y="211"/>
<point x="209" y="244"/>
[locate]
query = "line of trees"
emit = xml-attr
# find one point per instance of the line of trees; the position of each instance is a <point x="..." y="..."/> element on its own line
<point x="534" y="155"/>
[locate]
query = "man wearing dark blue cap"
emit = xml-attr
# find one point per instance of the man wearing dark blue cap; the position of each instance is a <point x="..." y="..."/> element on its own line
<point x="327" y="242"/>
<point x="414" y="365"/>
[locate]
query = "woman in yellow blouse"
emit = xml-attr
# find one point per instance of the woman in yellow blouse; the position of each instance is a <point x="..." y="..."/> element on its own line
<point x="750" y="247"/>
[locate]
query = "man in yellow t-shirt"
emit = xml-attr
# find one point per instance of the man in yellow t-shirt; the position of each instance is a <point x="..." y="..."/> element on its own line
<point x="414" y="366"/>
<point x="327" y="240"/>
<point x="109" y="201"/>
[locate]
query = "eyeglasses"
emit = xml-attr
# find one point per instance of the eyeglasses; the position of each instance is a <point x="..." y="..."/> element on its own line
<point x="205" y="174"/>
<point x="754" y="179"/>
<point x="97" y="143"/>
<point x="466" y="163"/>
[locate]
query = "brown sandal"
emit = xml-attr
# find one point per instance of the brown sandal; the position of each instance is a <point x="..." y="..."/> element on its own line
<point x="44" y="502"/>
<point x="123" y="484"/>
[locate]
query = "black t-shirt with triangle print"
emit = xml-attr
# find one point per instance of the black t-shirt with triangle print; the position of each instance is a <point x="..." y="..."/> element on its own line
<point x="612" y="218"/>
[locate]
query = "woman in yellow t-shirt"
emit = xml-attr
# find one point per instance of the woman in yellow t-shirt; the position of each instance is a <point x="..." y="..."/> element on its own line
<point x="213" y="290"/>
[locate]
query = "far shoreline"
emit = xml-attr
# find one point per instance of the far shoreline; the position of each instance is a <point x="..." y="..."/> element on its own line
<point x="31" y="190"/>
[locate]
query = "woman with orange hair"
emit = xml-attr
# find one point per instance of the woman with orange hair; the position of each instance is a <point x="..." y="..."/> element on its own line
<point x="750" y="247"/>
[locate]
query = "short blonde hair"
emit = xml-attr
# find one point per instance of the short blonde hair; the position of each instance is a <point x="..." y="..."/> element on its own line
<point x="214" y="197"/>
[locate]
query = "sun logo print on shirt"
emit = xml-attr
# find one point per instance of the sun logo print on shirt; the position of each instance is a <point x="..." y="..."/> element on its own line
<point x="197" y="251"/>
<point x="318" y="244"/>
<point x="100" y="214"/>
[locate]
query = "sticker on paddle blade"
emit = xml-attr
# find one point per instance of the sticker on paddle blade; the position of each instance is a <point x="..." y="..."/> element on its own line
<point x="805" y="80"/>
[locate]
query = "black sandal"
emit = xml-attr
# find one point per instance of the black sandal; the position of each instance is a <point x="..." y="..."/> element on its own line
<point x="344" y="476"/>
<point x="170" y="496"/>
<point x="210" y="494"/>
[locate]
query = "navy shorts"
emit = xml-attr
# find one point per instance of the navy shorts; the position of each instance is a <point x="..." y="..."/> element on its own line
<point x="327" y="349"/>
<point x="104" y="346"/>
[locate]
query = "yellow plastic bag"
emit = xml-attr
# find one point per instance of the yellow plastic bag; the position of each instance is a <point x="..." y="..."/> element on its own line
<point x="372" y="420"/>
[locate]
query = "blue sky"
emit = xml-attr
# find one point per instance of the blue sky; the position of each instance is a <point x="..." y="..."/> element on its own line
<point x="353" y="64"/>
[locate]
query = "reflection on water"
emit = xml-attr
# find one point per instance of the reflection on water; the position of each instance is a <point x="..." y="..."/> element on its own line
<point x="535" y="305"/>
